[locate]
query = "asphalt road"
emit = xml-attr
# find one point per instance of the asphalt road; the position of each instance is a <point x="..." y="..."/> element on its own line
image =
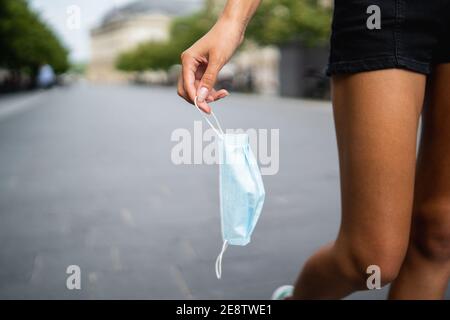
<point x="86" y="179"/>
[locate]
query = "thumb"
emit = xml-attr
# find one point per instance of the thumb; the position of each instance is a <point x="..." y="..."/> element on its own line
<point x="208" y="80"/>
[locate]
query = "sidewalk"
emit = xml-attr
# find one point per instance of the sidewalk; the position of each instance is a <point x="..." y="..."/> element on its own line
<point x="14" y="103"/>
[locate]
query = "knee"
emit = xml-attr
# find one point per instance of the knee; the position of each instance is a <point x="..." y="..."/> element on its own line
<point x="388" y="261"/>
<point x="431" y="231"/>
<point x="387" y="257"/>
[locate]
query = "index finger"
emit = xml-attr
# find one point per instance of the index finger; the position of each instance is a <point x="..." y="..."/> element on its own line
<point x="189" y="68"/>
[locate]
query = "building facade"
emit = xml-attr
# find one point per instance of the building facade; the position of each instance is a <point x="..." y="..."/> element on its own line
<point x="126" y="27"/>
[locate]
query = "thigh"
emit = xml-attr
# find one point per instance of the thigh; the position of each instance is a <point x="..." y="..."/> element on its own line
<point x="432" y="193"/>
<point x="376" y="118"/>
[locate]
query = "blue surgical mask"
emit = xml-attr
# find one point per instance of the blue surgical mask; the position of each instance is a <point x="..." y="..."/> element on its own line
<point x="241" y="190"/>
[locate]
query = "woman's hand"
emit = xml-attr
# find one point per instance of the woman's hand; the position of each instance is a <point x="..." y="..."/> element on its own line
<point x="202" y="62"/>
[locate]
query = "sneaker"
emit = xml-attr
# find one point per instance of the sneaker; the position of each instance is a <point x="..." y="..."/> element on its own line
<point x="282" y="292"/>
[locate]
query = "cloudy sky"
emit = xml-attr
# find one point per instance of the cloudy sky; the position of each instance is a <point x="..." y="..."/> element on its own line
<point x="55" y="13"/>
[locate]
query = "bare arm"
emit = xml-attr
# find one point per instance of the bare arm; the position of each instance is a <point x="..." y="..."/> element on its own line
<point x="203" y="60"/>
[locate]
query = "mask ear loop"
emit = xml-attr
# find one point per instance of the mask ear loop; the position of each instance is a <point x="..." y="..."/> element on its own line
<point x="220" y="134"/>
<point x="219" y="260"/>
<point x="217" y="130"/>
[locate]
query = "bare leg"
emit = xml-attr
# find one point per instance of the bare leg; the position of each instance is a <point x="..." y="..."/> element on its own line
<point x="376" y="117"/>
<point x="426" y="270"/>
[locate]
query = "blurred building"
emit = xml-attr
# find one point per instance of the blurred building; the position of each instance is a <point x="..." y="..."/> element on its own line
<point x="256" y="69"/>
<point x="289" y="70"/>
<point x="125" y="27"/>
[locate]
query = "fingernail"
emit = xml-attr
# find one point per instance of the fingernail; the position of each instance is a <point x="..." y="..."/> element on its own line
<point x="202" y="94"/>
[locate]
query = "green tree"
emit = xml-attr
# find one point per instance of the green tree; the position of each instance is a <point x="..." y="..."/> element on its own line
<point x="282" y="21"/>
<point x="26" y="41"/>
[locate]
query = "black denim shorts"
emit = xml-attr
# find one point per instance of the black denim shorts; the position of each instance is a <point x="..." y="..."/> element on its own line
<point x="410" y="34"/>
